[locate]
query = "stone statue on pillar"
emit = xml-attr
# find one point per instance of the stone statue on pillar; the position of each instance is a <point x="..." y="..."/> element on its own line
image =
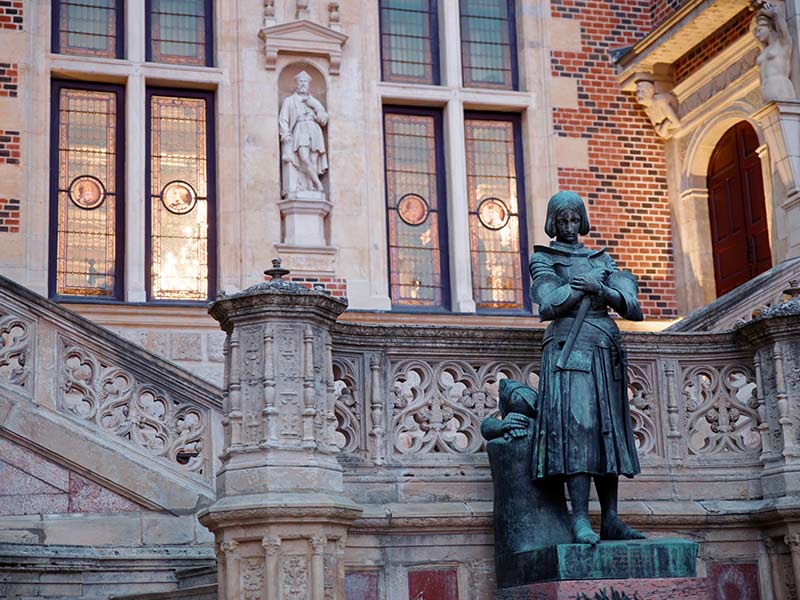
<point x="303" y="154"/>
<point x="775" y="61"/>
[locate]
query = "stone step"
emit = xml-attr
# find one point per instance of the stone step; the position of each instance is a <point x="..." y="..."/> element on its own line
<point x="198" y="592"/>
<point x="196" y="576"/>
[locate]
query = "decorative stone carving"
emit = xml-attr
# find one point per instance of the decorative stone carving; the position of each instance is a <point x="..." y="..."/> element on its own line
<point x="720" y="407"/>
<point x="15" y="350"/>
<point x="302" y="9"/>
<point x="439" y="407"/>
<point x="640" y="395"/>
<point x="252" y="578"/>
<point x="775" y="61"/>
<point x="303" y="38"/>
<point x="142" y="413"/>
<point x="346" y="408"/>
<point x="300" y="123"/>
<point x="661" y="108"/>
<point x="334" y="17"/>
<point x="294" y="578"/>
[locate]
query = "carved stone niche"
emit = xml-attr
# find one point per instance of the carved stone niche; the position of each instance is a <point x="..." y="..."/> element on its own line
<point x="304" y="205"/>
<point x="304" y="38"/>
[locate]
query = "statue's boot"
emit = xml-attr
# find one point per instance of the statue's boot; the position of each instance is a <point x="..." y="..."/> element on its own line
<point x="582" y="533"/>
<point x="611" y="526"/>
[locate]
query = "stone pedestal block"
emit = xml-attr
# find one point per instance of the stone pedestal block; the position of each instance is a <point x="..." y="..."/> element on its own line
<point x="633" y="559"/>
<point x="281" y="518"/>
<point x="304" y="215"/>
<point x="686" y="588"/>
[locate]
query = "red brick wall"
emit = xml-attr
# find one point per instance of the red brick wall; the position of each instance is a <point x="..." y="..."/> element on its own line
<point x="625" y="184"/>
<point x="9" y="215"/>
<point x="661" y="9"/>
<point x="713" y="45"/>
<point x="9" y="147"/>
<point x="337" y="287"/>
<point x="11" y="14"/>
<point x="9" y="79"/>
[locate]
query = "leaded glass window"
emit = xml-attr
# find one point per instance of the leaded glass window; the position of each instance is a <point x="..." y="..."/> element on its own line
<point x="181" y="197"/>
<point x="496" y="212"/>
<point x="416" y="208"/>
<point x="87" y="191"/>
<point x="489" y="44"/>
<point x="409" y="41"/>
<point x="179" y="31"/>
<point x="88" y="27"/>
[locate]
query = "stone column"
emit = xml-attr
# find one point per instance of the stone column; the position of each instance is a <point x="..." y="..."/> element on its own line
<point x="773" y="336"/>
<point x="780" y="122"/>
<point x="280" y="517"/>
<point x="793" y="541"/>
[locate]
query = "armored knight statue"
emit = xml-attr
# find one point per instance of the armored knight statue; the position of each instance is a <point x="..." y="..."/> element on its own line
<point x="300" y="124"/>
<point x="582" y="429"/>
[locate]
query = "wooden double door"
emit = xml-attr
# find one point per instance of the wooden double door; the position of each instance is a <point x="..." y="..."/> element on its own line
<point x="737" y="212"/>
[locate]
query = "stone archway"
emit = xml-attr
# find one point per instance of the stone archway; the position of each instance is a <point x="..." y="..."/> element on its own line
<point x="694" y="255"/>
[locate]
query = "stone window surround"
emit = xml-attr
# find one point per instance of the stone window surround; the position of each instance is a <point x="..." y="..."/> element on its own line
<point x="136" y="75"/>
<point x="454" y="101"/>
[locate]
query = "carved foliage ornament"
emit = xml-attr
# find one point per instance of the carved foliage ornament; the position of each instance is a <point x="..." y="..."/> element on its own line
<point x="437" y="408"/>
<point x="294" y="578"/>
<point x="252" y="578"/>
<point x="720" y="407"/>
<point x="142" y="413"/>
<point x="15" y="350"/>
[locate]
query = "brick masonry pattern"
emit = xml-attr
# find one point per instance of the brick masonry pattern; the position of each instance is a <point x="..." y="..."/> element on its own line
<point x="336" y="286"/>
<point x="9" y="79"/>
<point x="661" y="9"/>
<point x="9" y="215"/>
<point x="625" y="185"/>
<point x="9" y="147"/>
<point x="713" y="45"/>
<point x="11" y="14"/>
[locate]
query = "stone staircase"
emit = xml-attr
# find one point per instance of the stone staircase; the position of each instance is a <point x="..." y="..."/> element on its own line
<point x="743" y="303"/>
<point x="195" y="584"/>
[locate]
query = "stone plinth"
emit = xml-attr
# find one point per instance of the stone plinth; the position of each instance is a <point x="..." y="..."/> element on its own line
<point x="635" y="559"/>
<point x="687" y="588"/>
<point x="304" y="215"/>
<point x="280" y="519"/>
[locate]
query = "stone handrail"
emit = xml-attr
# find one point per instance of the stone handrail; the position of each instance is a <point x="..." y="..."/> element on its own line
<point x="744" y="302"/>
<point x="58" y="366"/>
<point x="409" y="399"/>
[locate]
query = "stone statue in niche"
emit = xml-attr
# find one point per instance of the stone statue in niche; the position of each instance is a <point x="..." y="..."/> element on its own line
<point x="300" y="124"/>
<point x="775" y="61"/>
<point x="661" y="108"/>
<point x="578" y="427"/>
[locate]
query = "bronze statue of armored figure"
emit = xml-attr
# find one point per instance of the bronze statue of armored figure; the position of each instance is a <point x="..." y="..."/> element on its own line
<point x="579" y="423"/>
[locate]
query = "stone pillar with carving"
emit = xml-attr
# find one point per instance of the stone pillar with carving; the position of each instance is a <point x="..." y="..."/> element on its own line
<point x="776" y="352"/>
<point x="280" y="518"/>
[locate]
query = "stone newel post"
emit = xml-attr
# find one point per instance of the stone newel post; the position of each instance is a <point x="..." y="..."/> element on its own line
<point x="773" y="337"/>
<point x="280" y="518"/>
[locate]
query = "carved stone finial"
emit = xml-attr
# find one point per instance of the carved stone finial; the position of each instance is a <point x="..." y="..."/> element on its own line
<point x="276" y="272"/>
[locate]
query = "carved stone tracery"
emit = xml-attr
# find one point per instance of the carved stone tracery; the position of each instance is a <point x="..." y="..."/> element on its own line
<point x="438" y="407"/>
<point x="720" y="409"/>
<point x="15" y="350"/>
<point x="141" y="412"/>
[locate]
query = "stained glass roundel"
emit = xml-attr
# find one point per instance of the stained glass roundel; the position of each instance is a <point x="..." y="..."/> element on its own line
<point x="87" y="192"/>
<point x="493" y="213"/>
<point x="178" y="197"/>
<point x="413" y="209"/>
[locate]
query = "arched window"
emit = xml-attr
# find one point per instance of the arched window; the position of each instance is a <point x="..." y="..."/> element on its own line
<point x="737" y="213"/>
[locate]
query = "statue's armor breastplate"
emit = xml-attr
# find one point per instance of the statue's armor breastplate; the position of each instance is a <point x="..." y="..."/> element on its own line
<point x="567" y="267"/>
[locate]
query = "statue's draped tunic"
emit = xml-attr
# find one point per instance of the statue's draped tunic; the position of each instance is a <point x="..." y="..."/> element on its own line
<point x="583" y="424"/>
<point x="301" y="120"/>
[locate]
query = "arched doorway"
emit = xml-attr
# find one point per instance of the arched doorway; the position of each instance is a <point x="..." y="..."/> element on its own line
<point x="737" y="213"/>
